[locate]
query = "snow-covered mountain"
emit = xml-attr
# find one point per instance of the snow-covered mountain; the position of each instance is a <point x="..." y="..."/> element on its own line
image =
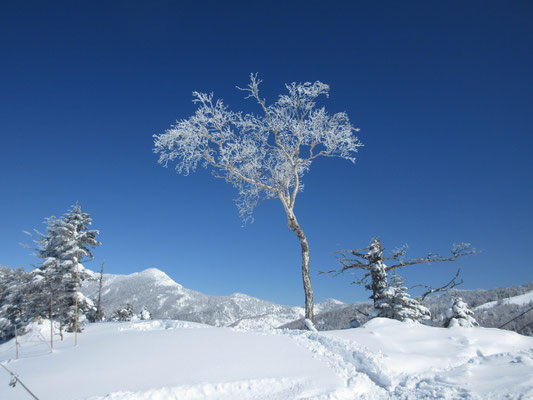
<point x="166" y="299"/>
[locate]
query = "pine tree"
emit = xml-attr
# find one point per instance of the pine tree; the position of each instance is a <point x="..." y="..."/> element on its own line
<point x="460" y="314"/>
<point x="378" y="271"/>
<point x="397" y="304"/>
<point x="124" y="313"/>
<point x="66" y="244"/>
<point x="20" y="300"/>
<point x="372" y="262"/>
<point x="13" y="302"/>
<point x="145" y="314"/>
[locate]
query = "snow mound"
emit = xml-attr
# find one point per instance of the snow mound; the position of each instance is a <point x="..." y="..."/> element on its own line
<point x="157" y="325"/>
<point x="428" y="362"/>
<point x="257" y="389"/>
<point x="117" y="361"/>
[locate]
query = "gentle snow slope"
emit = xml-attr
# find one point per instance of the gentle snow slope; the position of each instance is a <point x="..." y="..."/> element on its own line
<point x="519" y="300"/>
<point x="173" y="360"/>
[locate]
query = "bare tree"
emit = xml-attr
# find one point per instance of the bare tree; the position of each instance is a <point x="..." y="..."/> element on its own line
<point x="372" y="262"/>
<point x="264" y="156"/>
<point x="99" y="313"/>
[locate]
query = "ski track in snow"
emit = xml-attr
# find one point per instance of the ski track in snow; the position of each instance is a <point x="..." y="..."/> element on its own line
<point x="362" y="372"/>
<point x="366" y="375"/>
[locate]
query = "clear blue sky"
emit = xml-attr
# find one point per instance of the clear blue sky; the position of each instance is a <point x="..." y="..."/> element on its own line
<point x="442" y="93"/>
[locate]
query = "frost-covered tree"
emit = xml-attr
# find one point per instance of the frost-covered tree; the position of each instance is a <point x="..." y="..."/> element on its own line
<point x="124" y="313"/>
<point x="145" y="314"/>
<point x="460" y="314"/>
<point x="396" y="303"/>
<point x="14" y="301"/>
<point x="21" y="300"/>
<point x="377" y="269"/>
<point x="67" y="242"/>
<point x="372" y="262"/>
<point x="263" y="155"/>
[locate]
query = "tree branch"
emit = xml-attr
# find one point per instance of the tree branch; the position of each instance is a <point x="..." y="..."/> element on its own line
<point x="450" y="285"/>
<point x="460" y="250"/>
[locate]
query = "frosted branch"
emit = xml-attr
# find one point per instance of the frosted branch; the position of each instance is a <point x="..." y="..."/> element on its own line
<point x="262" y="156"/>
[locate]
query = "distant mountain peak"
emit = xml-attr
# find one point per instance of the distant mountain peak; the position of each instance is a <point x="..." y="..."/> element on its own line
<point x="240" y="295"/>
<point x="166" y="299"/>
<point x="161" y="279"/>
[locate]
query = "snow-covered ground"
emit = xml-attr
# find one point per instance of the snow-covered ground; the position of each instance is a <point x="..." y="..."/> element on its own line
<point x="183" y="360"/>
<point x="519" y="300"/>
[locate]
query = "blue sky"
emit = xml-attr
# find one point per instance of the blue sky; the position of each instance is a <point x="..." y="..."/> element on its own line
<point x="442" y="93"/>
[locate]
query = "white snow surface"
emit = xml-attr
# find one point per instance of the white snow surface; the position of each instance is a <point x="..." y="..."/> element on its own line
<point x="171" y="360"/>
<point x="519" y="300"/>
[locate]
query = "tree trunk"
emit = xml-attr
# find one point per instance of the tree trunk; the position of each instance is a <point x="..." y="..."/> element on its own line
<point x="377" y="270"/>
<point x="99" y="315"/>
<point x="16" y="342"/>
<point x="51" y="321"/>
<point x="295" y="227"/>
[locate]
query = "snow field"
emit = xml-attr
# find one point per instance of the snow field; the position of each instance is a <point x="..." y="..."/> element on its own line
<point x="171" y="361"/>
<point x="162" y="359"/>
<point x="426" y="362"/>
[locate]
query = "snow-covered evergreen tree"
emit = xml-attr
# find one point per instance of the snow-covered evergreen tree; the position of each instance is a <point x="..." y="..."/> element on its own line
<point x="66" y="244"/>
<point x="145" y="314"/>
<point x="460" y="314"/>
<point x="20" y="300"/>
<point x="13" y="302"/>
<point x="124" y="313"/>
<point x="378" y="271"/>
<point x="397" y="304"/>
<point x="372" y="262"/>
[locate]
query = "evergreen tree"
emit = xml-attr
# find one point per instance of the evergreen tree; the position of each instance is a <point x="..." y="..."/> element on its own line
<point x="397" y="304"/>
<point x="378" y="271"/>
<point x="17" y="299"/>
<point x="66" y="244"/>
<point x="145" y="314"/>
<point x="124" y="313"/>
<point x="372" y="262"/>
<point x="460" y="314"/>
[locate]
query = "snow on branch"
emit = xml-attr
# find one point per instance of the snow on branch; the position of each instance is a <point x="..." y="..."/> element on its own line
<point x="458" y="250"/>
<point x="263" y="156"/>
<point x="371" y="261"/>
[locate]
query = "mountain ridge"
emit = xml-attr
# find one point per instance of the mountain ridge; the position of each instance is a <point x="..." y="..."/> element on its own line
<point x="166" y="299"/>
